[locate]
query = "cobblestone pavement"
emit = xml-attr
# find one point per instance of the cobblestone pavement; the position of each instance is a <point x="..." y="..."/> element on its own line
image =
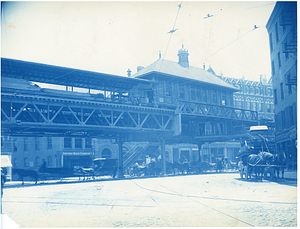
<point x="210" y="200"/>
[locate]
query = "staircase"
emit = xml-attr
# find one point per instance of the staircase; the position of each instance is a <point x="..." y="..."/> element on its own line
<point x="136" y="151"/>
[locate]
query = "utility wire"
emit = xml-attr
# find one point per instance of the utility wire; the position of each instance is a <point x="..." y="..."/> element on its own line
<point x="171" y="33"/>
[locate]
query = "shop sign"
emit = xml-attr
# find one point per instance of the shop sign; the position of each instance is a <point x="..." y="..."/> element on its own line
<point x="287" y="135"/>
<point x="77" y="153"/>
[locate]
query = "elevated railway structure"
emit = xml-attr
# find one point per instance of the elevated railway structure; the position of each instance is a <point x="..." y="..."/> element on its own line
<point x="145" y="107"/>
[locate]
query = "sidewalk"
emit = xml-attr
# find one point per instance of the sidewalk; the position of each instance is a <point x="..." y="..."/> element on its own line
<point x="288" y="175"/>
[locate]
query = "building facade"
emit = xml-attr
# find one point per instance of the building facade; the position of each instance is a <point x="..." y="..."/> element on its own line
<point x="282" y="30"/>
<point x="254" y="95"/>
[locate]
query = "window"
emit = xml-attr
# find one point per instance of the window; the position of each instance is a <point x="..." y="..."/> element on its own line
<point x="38" y="161"/>
<point x="271" y="42"/>
<point x="214" y="96"/>
<point x="68" y="143"/>
<point x="261" y="90"/>
<point x="26" y="162"/>
<point x="238" y="104"/>
<point x="252" y="106"/>
<point x="50" y="161"/>
<point x="289" y="86"/>
<point x="78" y="143"/>
<point x="160" y="88"/>
<point x="262" y="107"/>
<point x="181" y="92"/>
<point x="15" y="162"/>
<point x="276" y="32"/>
<point x="283" y="119"/>
<point x="251" y="90"/>
<point x="25" y="144"/>
<point x="204" y="95"/>
<point x="168" y="89"/>
<point x="286" y="53"/>
<point x="193" y="94"/>
<point x="49" y="143"/>
<point x="270" y="92"/>
<point x="281" y="91"/>
<point x="223" y="99"/>
<point x="290" y="89"/>
<point x="106" y="153"/>
<point x="88" y="143"/>
<point x="37" y="143"/>
<point x="273" y="68"/>
<point x="275" y="96"/>
<point x="15" y="149"/>
<point x="198" y="94"/>
<point x="269" y="108"/>
<point x="279" y="60"/>
<point x="259" y="107"/>
<point x="248" y="105"/>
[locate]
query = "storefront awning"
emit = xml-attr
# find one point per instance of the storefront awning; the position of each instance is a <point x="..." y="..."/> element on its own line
<point x="5" y="161"/>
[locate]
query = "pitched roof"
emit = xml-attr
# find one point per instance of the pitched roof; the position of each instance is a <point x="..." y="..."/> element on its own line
<point x="175" y="69"/>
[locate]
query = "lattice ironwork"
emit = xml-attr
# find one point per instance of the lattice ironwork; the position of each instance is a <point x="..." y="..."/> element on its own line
<point x="215" y="111"/>
<point x="30" y="112"/>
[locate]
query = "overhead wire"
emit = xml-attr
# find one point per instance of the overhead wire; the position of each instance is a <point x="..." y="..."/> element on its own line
<point x="225" y="45"/>
<point x="171" y="33"/>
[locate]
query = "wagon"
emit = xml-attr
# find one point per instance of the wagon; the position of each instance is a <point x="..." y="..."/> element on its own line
<point x="264" y="169"/>
<point x="105" y="167"/>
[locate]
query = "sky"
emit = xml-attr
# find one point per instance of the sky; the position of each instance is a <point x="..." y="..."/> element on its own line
<point x="112" y="37"/>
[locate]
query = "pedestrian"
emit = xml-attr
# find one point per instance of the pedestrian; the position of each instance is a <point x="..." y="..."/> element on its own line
<point x="3" y="180"/>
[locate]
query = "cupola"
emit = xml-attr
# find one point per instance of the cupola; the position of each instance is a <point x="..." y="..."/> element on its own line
<point x="183" y="57"/>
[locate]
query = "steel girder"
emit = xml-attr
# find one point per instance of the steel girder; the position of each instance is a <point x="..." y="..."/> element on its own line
<point x="33" y="113"/>
<point x="215" y="111"/>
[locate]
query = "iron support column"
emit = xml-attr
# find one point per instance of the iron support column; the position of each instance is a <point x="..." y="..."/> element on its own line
<point x="163" y="155"/>
<point x="199" y="151"/>
<point x="120" y="143"/>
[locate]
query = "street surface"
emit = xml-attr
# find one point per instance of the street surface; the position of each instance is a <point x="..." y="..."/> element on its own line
<point x="209" y="200"/>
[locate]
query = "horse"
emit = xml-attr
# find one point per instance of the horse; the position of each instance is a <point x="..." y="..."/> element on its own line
<point x="219" y="165"/>
<point x="26" y="173"/>
<point x="257" y="161"/>
<point x="84" y="172"/>
<point x="280" y="161"/>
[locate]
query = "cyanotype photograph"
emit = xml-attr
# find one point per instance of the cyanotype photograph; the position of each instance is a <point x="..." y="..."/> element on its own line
<point x="157" y="114"/>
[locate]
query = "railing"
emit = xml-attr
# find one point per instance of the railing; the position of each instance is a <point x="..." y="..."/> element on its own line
<point x="134" y="150"/>
<point x="289" y="44"/>
<point x="216" y="111"/>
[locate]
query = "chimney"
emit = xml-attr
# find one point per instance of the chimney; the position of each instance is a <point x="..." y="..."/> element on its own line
<point x="203" y="66"/>
<point x="128" y="72"/>
<point x="183" y="57"/>
<point x="159" y="54"/>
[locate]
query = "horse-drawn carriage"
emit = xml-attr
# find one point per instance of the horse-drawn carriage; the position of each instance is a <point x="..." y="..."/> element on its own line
<point x="258" y="155"/>
<point x="101" y="167"/>
<point x="262" y="164"/>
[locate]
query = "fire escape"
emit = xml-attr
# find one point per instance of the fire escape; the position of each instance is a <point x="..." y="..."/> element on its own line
<point x="289" y="45"/>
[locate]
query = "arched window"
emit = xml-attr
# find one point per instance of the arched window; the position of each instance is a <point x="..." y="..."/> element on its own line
<point x="38" y="161"/>
<point x="15" y="162"/>
<point x="50" y="163"/>
<point x="26" y="162"/>
<point x="106" y="153"/>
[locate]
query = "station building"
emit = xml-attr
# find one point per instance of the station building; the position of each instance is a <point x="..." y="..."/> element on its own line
<point x="175" y="84"/>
